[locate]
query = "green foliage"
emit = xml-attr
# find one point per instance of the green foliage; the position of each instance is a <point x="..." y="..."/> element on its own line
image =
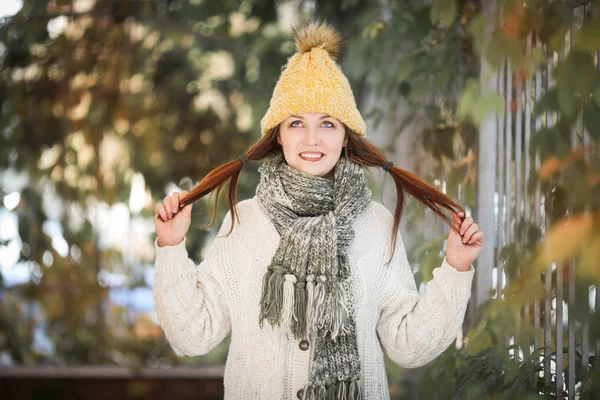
<point x="166" y="92"/>
<point x="171" y="92"/>
<point x="443" y="11"/>
<point x="576" y="77"/>
<point x="474" y="106"/>
<point x="588" y="37"/>
<point x="486" y="367"/>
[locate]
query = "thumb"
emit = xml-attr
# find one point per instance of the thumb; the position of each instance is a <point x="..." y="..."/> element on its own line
<point x="187" y="210"/>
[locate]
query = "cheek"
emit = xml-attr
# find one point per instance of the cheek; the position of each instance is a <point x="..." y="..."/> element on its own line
<point x="338" y="140"/>
<point x="287" y="143"/>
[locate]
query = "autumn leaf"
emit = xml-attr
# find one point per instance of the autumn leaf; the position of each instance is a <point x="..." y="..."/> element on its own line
<point x="587" y="265"/>
<point x="564" y="239"/>
<point x="549" y="167"/>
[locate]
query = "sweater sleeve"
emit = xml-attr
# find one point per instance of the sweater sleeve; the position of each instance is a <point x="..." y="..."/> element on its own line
<point x="190" y="302"/>
<point x="414" y="329"/>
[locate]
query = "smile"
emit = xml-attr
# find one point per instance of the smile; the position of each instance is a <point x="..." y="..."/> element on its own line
<point x="311" y="156"/>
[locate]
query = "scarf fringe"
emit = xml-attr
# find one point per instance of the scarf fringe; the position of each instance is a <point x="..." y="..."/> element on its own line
<point x="310" y="300"/>
<point x="339" y="312"/>
<point x="320" y="303"/>
<point x="299" y="315"/>
<point x="271" y="301"/>
<point x="288" y="302"/>
<point x="331" y="392"/>
<point x="309" y="392"/>
<point x="342" y="390"/>
<point x="321" y="393"/>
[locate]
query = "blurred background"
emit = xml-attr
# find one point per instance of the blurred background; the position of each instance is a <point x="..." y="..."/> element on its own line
<point x="107" y="106"/>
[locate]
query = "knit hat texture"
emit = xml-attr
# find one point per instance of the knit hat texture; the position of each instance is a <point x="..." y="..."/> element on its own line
<point x="312" y="81"/>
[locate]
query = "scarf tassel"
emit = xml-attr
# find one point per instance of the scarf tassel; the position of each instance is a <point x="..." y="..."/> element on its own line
<point x="264" y="298"/>
<point x="320" y="302"/>
<point x="331" y="392"/>
<point x="354" y="392"/>
<point x="339" y="312"/>
<point x="271" y="300"/>
<point x="288" y="302"/>
<point x="299" y="315"/>
<point x="342" y="390"/>
<point x="321" y="393"/>
<point x="310" y="300"/>
<point x="309" y="392"/>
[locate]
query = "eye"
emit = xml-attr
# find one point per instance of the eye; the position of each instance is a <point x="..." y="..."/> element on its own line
<point x="331" y="125"/>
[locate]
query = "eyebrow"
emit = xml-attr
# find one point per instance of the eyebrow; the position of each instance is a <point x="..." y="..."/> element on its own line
<point x="298" y="116"/>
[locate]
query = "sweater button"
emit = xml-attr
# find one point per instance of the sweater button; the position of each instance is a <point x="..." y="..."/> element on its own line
<point x="303" y="345"/>
<point x="300" y="393"/>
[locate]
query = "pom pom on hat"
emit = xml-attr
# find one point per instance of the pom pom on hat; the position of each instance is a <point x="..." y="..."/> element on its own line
<point x="313" y="82"/>
<point x="320" y="35"/>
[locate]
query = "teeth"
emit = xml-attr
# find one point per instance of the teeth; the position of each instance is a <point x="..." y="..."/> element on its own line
<point x="311" y="155"/>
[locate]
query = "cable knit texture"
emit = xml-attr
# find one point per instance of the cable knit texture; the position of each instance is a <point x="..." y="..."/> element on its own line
<point x="199" y="305"/>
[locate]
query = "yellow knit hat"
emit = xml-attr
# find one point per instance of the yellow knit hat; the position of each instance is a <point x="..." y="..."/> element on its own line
<point x="313" y="82"/>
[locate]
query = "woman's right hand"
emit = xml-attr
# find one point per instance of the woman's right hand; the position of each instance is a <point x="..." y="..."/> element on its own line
<point x="171" y="222"/>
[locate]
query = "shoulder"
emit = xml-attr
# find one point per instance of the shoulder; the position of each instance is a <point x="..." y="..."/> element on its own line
<point x="247" y="206"/>
<point x="374" y="223"/>
<point x="250" y="216"/>
<point x="244" y="209"/>
<point x="381" y="215"/>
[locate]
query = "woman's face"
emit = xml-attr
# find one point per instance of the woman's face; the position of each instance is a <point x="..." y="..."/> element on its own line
<point x="312" y="142"/>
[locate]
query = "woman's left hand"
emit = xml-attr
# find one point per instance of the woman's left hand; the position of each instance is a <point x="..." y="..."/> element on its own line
<point x="463" y="248"/>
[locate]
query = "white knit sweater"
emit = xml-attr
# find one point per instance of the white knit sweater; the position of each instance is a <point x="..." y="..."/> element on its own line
<point x="199" y="305"/>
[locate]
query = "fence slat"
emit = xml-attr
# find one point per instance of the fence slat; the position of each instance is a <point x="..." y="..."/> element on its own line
<point x="508" y="156"/>
<point x="571" y="339"/>
<point x="548" y="276"/>
<point x="537" y="194"/>
<point x="500" y="180"/>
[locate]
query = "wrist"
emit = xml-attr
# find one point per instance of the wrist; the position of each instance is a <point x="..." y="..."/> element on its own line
<point x="167" y="242"/>
<point x="457" y="265"/>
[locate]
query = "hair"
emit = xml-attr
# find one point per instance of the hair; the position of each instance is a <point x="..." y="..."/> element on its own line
<point x="358" y="150"/>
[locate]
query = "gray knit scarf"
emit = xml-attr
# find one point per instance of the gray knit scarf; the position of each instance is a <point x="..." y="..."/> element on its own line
<point x="307" y="288"/>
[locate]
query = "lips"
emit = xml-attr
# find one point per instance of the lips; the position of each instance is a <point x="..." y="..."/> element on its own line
<point x="311" y="156"/>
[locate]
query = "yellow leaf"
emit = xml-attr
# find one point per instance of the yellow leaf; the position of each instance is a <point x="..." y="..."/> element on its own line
<point x="549" y="167"/>
<point x="468" y="159"/>
<point x="588" y="263"/>
<point x="564" y="239"/>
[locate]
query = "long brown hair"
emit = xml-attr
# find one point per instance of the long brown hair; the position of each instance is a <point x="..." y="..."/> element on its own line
<point x="358" y="149"/>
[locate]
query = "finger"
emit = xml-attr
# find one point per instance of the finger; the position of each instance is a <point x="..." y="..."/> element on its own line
<point x="456" y="218"/>
<point x="175" y="202"/>
<point x="160" y="210"/>
<point x="168" y="208"/>
<point x="470" y="232"/>
<point x="477" y="237"/>
<point x="465" y="224"/>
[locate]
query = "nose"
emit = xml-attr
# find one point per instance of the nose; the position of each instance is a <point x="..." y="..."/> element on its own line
<point x="311" y="137"/>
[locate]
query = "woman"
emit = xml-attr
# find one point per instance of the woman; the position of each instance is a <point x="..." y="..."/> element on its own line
<point x="310" y="275"/>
